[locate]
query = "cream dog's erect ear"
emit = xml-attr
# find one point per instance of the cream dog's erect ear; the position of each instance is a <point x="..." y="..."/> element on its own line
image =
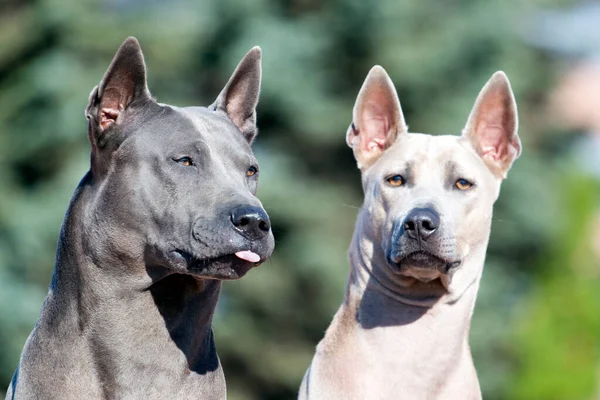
<point x="493" y="123"/>
<point x="377" y="118"/>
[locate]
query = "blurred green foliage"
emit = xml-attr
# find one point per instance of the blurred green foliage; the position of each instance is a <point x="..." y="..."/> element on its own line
<point x="559" y="330"/>
<point x="533" y="303"/>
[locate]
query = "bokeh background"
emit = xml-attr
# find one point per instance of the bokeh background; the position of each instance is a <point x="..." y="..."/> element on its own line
<point x="536" y="329"/>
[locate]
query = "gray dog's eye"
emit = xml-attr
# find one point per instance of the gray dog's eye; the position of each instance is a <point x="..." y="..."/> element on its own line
<point x="395" y="180"/>
<point x="251" y="171"/>
<point x="186" y="161"/>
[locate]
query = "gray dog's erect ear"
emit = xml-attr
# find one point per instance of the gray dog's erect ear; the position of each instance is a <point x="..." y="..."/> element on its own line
<point x="492" y="125"/>
<point x="123" y="83"/>
<point x="239" y="97"/>
<point x="377" y="118"/>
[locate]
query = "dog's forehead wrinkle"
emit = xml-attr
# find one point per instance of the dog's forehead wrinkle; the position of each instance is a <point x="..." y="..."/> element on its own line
<point x="220" y="135"/>
<point x="212" y="122"/>
<point x="172" y="125"/>
<point x="450" y="167"/>
<point x="453" y="170"/>
<point x="422" y="150"/>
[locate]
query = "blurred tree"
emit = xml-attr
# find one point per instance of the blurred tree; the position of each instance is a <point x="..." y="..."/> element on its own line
<point x="316" y="55"/>
<point x="559" y="331"/>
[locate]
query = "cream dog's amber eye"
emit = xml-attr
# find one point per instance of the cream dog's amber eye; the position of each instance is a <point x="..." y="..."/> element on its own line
<point x="251" y="171"/>
<point x="396" y="180"/>
<point x="463" y="184"/>
<point x="185" y="161"/>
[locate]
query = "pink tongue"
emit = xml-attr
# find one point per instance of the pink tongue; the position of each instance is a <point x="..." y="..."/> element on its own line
<point x="248" y="256"/>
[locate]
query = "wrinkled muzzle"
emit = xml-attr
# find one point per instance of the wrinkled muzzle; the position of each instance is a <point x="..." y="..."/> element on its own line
<point x="226" y="245"/>
<point x="422" y="246"/>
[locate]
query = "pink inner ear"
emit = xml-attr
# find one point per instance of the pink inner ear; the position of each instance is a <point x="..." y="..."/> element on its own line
<point x="375" y="127"/>
<point x="235" y="107"/>
<point x="495" y="125"/>
<point x="494" y="142"/>
<point x="113" y="102"/>
<point x="108" y="116"/>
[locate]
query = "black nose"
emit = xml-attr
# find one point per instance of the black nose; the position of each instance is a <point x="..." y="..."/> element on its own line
<point x="252" y="222"/>
<point x="421" y="223"/>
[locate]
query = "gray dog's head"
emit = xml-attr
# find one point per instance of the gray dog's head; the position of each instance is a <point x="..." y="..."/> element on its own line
<point x="428" y="199"/>
<point x="176" y="186"/>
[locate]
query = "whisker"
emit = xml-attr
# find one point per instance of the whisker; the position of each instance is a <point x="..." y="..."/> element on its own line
<point x="509" y="221"/>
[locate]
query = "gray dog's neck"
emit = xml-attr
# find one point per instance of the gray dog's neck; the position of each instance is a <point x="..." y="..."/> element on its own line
<point x="128" y="317"/>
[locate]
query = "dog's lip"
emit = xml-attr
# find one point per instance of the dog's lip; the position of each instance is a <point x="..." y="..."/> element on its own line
<point x="422" y="253"/>
<point x="191" y="259"/>
<point x="398" y="260"/>
<point x="224" y="267"/>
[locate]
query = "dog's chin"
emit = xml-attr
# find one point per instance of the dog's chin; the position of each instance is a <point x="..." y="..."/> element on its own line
<point x="225" y="267"/>
<point x="422" y="266"/>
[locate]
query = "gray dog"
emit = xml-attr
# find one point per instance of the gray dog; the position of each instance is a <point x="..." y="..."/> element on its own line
<point x="165" y="213"/>
<point x="418" y="250"/>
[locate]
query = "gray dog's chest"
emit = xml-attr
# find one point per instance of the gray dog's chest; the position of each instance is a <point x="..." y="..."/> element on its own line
<point x="67" y="364"/>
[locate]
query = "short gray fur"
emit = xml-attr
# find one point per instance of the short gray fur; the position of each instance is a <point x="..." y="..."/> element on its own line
<point x="146" y="241"/>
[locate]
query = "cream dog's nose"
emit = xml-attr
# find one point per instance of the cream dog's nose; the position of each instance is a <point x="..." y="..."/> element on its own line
<point x="421" y="223"/>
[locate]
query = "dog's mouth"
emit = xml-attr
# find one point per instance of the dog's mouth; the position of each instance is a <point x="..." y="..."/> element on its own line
<point x="422" y="265"/>
<point x="224" y="267"/>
